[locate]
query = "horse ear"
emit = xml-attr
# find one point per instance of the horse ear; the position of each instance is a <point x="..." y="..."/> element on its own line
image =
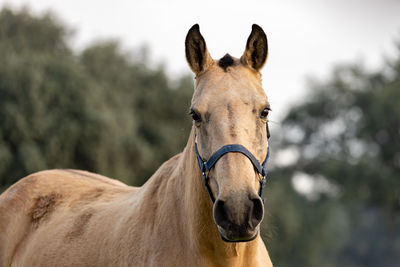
<point x="196" y="50"/>
<point x="256" y="51"/>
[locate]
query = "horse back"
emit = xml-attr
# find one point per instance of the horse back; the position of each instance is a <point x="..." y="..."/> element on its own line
<point x="40" y="203"/>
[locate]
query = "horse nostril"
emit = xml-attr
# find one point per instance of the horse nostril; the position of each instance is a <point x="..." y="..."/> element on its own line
<point x="220" y="215"/>
<point x="256" y="212"/>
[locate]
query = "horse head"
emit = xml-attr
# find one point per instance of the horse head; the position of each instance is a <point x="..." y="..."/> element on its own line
<point x="230" y="111"/>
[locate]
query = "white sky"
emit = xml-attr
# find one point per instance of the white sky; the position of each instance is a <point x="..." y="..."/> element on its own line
<point x="306" y="38"/>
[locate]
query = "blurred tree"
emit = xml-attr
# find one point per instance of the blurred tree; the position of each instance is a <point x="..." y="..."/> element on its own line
<point x="41" y="96"/>
<point x="101" y="111"/>
<point x="346" y="135"/>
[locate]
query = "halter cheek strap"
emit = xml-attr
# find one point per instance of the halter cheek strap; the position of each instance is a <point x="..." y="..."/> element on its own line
<point x="206" y="166"/>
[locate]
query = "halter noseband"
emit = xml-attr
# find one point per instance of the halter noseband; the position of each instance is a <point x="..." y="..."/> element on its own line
<point x="206" y="166"/>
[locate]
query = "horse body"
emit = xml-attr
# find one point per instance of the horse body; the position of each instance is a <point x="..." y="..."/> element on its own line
<point x="77" y="218"/>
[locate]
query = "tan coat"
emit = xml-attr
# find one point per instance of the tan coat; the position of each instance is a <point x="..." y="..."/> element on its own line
<point x="77" y="218"/>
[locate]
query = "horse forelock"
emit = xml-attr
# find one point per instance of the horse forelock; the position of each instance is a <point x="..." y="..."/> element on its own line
<point x="226" y="61"/>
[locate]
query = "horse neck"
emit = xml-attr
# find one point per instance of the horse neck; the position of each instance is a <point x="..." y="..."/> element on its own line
<point x="203" y="235"/>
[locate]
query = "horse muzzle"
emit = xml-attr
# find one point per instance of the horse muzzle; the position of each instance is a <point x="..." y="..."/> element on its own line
<point x="238" y="221"/>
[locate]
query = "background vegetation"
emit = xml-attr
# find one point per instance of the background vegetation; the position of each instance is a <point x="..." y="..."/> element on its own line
<point x="108" y="111"/>
<point x="101" y="110"/>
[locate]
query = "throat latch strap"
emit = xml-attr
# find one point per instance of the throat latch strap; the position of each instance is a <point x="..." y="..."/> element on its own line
<point x="206" y="166"/>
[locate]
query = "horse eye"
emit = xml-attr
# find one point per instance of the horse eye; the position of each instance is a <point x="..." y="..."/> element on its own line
<point x="196" y="117"/>
<point x="264" y="113"/>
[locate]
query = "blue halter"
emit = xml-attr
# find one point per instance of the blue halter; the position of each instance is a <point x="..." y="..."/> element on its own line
<point x="206" y="166"/>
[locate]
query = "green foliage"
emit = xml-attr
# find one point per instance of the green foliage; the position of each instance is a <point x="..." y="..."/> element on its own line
<point x="347" y="135"/>
<point x="21" y="32"/>
<point x="101" y="110"/>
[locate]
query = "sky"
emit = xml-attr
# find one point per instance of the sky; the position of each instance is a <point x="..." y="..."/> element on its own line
<point x="306" y="38"/>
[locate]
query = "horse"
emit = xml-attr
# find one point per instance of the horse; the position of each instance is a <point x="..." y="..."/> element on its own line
<point x="202" y="207"/>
